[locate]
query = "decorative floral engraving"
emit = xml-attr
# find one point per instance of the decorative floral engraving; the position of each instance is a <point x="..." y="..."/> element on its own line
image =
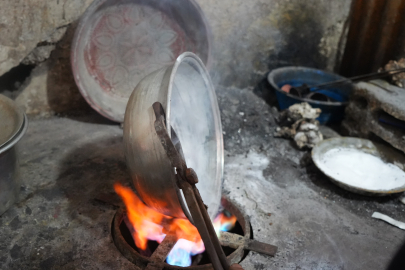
<point x="129" y="42"/>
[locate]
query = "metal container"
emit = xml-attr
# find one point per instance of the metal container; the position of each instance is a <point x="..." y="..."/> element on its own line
<point x="13" y="125"/>
<point x="296" y="76"/>
<point x="189" y="101"/>
<point x="119" y="42"/>
<point x="385" y="153"/>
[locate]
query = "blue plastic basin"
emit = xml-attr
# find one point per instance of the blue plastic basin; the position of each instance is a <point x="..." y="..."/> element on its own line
<point x="332" y="112"/>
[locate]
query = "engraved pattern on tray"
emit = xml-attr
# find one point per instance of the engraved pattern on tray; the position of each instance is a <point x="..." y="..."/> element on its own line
<point x="129" y="42"/>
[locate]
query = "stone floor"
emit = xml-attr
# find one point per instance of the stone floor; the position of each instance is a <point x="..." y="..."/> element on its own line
<point x="68" y="166"/>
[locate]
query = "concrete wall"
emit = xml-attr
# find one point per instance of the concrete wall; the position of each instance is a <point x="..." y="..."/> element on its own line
<point x="255" y="36"/>
<point x="26" y="25"/>
<point x="249" y="39"/>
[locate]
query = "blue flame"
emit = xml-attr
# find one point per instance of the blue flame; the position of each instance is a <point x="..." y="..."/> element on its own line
<point x="179" y="257"/>
<point x="223" y="223"/>
<point x="181" y="253"/>
<point x="226" y="226"/>
<point x="183" y="250"/>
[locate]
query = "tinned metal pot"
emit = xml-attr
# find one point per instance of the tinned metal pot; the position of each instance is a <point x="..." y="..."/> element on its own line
<point x="13" y="125"/>
<point x="188" y="98"/>
<point x="119" y="42"/>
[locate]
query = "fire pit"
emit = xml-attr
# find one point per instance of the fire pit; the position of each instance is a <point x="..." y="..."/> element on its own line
<point x="235" y="245"/>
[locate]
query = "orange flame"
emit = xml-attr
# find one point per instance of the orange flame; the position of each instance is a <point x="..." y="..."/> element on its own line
<point x="223" y="223"/>
<point x="147" y="222"/>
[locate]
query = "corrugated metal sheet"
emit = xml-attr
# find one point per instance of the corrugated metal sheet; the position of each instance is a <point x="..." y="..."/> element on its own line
<point x="376" y="35"/>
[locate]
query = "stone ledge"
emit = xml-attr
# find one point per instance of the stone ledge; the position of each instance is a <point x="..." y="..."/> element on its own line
<point x="368" y="102"/>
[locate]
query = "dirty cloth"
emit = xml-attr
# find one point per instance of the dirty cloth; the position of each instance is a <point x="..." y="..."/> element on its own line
<point x="299" y="123"/>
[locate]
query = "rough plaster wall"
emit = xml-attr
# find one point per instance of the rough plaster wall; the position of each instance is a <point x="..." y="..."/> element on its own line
<point x="255" y="36"/>
<point x="249" y="39"/>
<point x="51" y="87"/>
<point x="24" y="24"/>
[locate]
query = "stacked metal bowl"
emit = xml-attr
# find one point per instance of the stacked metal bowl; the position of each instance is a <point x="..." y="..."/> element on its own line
<point x="13" y="124"/>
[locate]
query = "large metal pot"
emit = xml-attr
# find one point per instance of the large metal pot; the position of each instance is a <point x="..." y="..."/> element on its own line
<point x="118" y="42"/>
<point x="13" y="125"/>
<point x="188" y="98"/>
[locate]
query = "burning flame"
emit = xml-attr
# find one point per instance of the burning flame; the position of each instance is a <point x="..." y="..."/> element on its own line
<point x="144" y="220"/>
<point x="223" y="223"/>
<point x="149" y="224"/>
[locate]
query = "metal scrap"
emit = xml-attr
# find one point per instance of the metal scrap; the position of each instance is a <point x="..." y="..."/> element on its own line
<point x="159" y="256"/>
<point x="389" y="220"/>
<point x="234" y="241"/>
<point x="299" y="122"/>
<point x="399" y="78"/>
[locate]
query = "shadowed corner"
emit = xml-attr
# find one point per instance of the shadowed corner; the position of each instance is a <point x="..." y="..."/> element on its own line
<point x="398" y="262"/>
<point x="64" y="97"/>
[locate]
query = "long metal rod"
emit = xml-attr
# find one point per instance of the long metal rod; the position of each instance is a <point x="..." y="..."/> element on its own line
<point x="179" y="163"/>
<point x="200" y="224"/>
<point x="364" y="77"/>
<point x="211" y="230"/>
